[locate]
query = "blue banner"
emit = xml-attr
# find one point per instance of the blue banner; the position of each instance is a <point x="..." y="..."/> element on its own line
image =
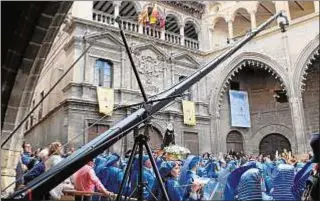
<point x="240" y="113"/>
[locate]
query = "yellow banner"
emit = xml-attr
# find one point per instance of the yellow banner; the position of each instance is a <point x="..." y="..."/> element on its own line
<point x="189" y="113"/>
<point x="106" y="100"/>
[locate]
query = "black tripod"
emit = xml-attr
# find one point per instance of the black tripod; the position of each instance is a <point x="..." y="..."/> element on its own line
<point x="140" y="139"/>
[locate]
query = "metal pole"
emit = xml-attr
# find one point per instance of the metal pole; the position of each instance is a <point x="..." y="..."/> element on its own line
<point x="126" y="174"/>
<point x="131" y="60"/>
<point x="140" y="180"/>
<point x="155" y="168"/>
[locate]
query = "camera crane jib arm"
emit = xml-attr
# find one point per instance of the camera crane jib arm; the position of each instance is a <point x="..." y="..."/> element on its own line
<point x="57" y="174"/>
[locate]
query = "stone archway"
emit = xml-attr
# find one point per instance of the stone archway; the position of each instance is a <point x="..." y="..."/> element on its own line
<point x="274" y="142"/>
<point x="27" y="42"/>
<point x="234" y="141"/>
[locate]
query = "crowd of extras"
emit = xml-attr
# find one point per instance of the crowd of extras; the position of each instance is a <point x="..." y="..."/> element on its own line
<point x="239" y="176"/>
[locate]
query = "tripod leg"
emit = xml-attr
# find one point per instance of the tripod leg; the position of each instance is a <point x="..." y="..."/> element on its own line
<point x="126" y="174"/>
<point x="140" y="181"/>
<point x="156" y="171"/>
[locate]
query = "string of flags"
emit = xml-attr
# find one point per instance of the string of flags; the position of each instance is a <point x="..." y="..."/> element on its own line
<point x="155" y="18"/>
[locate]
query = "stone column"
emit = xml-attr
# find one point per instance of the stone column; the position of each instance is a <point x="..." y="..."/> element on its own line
<point x="116" y="12"/>
<point x="283" y="5"/>
<point x="182" y="34"/>
<point x="298" y="123"/>
<point x="163" y="34"/>
<point x="230" y="29"/>
<point x="140" y="29"/>
<point x="316" y="6"/>
<point x="116" y="9"/>
<point x="253" y="20"/>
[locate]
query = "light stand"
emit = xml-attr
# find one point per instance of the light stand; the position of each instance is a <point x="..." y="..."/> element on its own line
<point x="140" y="139"/>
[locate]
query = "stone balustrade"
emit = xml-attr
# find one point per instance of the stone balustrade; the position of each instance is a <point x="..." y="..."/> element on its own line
<point x="173" y="37"/>
<point x="102" y="17"/>
<point x="191" y="43"/>
<point x="133" y="26"/>
<point x="152" y="31"/>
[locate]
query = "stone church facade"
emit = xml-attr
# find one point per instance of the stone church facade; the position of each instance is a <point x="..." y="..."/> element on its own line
<point x="279" y="71"/>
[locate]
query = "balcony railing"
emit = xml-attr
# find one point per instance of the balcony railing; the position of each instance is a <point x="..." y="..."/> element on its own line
<point x="191" y="43"/>
<point x="130" y="25"/>
<point x="133" y="26"/>
<point x="173" y="37"/>
<point x="151" y="31"/>
<point x="102" y="17"/>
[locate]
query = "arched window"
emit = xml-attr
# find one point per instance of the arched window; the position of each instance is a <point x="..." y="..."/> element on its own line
<point x="234" y="141"/>
<point x="220" y="32"/>
<point x="172" y="24"/>
<point x="190" y="30"/>
<point x="104" y="6"/>
<point x="242" y="23"/>
<point x="103" y="73"/>
<point x="128" y="9"/>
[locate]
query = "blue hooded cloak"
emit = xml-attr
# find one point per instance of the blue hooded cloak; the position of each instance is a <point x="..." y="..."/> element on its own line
<point x="233" y="181"/>
<point x="282" y="179"/>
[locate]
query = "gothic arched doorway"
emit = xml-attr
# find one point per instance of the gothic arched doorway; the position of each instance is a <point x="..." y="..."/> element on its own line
<point x="234" y="141"/>
<point x="272" y="143"/>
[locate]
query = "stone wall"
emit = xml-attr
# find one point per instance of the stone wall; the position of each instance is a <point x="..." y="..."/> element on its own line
<point x="311" y="99"/>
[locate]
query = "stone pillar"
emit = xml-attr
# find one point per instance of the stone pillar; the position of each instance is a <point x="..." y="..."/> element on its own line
<point x="163" y="34"/>
<point x="140" y="29"/>
<point x="230" y="29"/>
<point x="116" y="12"/>
<point x="182" y="34"/>
<point x="116" y="9"/>
<point x="82" y="9"/>
<point x="253" y="20"/>
<point x="298" y="123"/>
<point x="283" y="5"/>
<point x="316" y="6"/>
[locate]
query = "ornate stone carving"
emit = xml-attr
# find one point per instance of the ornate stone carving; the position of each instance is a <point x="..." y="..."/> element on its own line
<point x="195" y="8"/>
<point x="151" y="69"/>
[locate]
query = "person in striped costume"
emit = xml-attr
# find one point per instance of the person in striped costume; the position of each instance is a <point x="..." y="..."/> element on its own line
<point x="282" y="179"/>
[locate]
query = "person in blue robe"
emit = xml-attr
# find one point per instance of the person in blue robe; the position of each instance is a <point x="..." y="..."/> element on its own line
<point x="249" y="187"/>
<point x="189" y="174"/>
<point x="111" y="175"/>
<point x="233" y="181"/>
<point x="149" y="178"/>
<point x="99" y="162"/>
<point x="212" y="168"/>
<point x="201" y="170"/>
<point x="298" y="166"/>
<point x="268" y="169"/>
<point x="282" y="179"/>
<point x="38" y="169"/>
<point x="300" y="180"/>
<point x="169" y="172"/>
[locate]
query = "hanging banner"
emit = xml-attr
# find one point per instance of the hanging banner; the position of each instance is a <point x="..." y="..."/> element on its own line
<point x="240" y="113"/>
<point x="189" y="113"/>
<point x="106" y="100"/>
